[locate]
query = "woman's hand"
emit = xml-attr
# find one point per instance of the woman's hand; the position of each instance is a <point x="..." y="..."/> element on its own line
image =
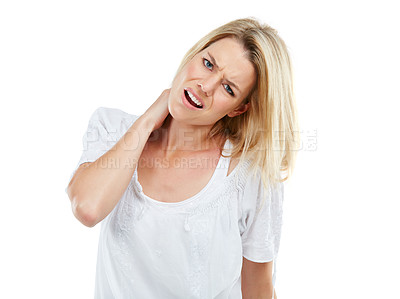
<point x="158" y="111"/>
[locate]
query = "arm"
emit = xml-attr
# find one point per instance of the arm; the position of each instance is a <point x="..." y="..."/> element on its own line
<point x="257" y="280"/>
<point x="261" y="230"/>
<point x="95" y="189"/>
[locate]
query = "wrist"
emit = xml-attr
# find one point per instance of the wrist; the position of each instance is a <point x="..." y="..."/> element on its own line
<point x="144" y="124"/>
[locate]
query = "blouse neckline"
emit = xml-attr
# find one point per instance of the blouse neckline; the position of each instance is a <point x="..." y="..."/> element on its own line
<point x="220" y="171"/>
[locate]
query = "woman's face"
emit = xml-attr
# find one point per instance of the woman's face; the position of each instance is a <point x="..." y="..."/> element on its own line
<point x="213" y="84"/>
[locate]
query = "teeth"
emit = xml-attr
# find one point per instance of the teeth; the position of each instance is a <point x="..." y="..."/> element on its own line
<point x="193" y="98"/>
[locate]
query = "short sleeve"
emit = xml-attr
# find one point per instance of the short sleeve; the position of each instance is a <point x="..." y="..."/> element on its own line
<point x="106" y="126"/>
<point x="261" y="220"/>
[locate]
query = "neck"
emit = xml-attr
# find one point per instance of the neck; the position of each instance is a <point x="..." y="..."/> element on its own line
<point x="175" y="136"/>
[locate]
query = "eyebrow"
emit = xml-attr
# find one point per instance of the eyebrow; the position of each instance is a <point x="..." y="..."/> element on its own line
<point x="215" y="63"/>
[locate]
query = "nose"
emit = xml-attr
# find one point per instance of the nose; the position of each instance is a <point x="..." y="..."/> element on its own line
<point x="209" y="84"/>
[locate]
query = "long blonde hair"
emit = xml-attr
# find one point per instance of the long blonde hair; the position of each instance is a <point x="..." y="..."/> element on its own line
<point x="267" y="134"/>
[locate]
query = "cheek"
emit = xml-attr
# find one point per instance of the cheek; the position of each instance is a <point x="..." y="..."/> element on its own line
<point x="221" y="102"/>
<point x="177" y="84"/>
<point x="183" y="76"/>
<point x="193" y="70"/>
<point x="178" y="79"/>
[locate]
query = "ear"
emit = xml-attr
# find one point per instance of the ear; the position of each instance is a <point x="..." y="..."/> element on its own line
<point x="239" y="110"/>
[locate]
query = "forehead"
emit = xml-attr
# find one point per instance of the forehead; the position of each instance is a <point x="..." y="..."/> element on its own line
<point x="229" y="52"/>
<point x="232" y="59"/>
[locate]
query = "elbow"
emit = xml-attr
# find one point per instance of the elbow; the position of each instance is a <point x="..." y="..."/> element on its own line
<point x="83" y="208"/>
<point x="86" y="215"/>
<point x="87" y="218"/>
<point x="85" y="212"/>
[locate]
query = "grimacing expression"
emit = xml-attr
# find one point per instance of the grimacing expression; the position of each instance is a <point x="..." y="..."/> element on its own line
<point x="213" y="84"/>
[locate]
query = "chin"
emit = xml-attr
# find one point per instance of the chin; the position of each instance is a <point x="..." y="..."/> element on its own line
<point x="175" y="111"/>
<point x="178" y="114"/>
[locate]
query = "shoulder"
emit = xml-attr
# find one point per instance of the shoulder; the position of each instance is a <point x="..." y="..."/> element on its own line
<point x="233" y="164"/>
<point x="237" y="166"/>
<point x="241" y="172"/>
<point x="111" y="115"/>
<point x="113" y="120"/>
<point x="249" y="178"/>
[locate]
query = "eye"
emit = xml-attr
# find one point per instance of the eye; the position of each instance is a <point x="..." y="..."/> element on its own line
<point x="228" y="89"/>
<point x="207" y="64"/>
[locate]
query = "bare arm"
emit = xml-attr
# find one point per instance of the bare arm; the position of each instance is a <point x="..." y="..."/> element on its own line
<point x="257" y="280"/>
<point x="95" y="188"/>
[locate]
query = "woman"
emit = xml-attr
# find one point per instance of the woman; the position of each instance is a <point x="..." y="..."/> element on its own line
<point x="189" y="194"/>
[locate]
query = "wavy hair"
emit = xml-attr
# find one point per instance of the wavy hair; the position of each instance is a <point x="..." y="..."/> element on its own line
<point x="267" y="133"/>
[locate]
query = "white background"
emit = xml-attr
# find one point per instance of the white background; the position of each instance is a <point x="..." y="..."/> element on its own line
<point x="60" y="60"/>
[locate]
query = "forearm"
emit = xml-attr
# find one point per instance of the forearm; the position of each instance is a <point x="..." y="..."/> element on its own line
<point x="95" y="190"/>
<point x="257" y="280"/>
<point x="266" y="292"/>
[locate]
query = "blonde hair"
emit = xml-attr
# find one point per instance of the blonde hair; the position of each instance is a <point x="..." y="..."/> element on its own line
<point x="267" y="133"/>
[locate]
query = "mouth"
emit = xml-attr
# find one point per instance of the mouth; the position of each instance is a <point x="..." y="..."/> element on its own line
<point x="191" y="98"/>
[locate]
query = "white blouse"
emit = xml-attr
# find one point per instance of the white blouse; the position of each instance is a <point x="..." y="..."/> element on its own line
<point x="189" y="249"/>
